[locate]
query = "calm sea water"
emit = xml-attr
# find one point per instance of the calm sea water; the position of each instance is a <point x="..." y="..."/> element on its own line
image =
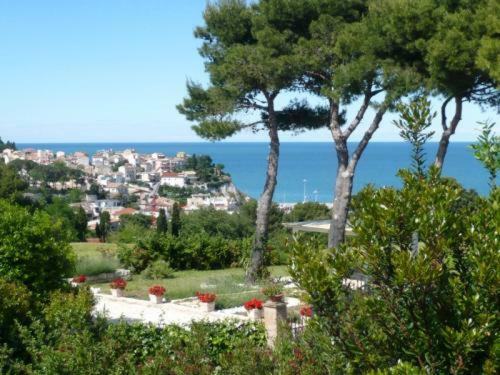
<point x="313" y="162"/>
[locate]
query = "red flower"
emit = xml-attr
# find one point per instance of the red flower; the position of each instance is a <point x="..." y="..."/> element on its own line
<point x="79" y="279"/>
<point x="306" y="311"/>
<point x="157" y="290"/>
<point x="205" y="297"/>
<point x="118" y="284"/>
<point x="253" y="304"/>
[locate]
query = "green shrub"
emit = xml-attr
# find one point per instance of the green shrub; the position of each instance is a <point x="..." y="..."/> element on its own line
<point x="34" y="249"/>
<point x="15" y="305"/>
<point x="135" y="258"/>
<point x="432" y="296"/>
<point x="159" y="269"/>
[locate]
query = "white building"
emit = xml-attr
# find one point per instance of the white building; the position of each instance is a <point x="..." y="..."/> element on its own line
<point x="173" y="179"/>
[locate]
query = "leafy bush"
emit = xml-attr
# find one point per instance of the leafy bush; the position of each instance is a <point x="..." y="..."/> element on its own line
<point x="201" y="251"/>
<point x="15" y="304"/>
<point x="34" y="250"/>
<point x="432" y="296"/>
<point x="135" y="257"/>
<point x="159" y="269"/>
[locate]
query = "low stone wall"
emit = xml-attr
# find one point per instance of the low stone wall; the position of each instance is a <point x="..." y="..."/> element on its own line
<point x="109" y="276"/>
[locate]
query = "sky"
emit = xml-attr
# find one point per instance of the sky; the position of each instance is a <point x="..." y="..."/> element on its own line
<point x="114" y="70"/>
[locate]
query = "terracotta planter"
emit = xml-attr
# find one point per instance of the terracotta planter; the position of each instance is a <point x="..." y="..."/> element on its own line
<point x="207" y="306"/>
<point x="277" y="298"/>
<point x="117" y="292"/>
<point x="155" y="299"/>
<point x="255" y="314"/>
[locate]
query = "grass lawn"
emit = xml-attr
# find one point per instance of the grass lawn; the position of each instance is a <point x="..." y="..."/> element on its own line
<point x="95" y="258"/>
<point x="185" y="283"/>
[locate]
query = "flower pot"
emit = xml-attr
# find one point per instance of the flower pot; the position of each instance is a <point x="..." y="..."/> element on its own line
<point x="207" y="306"/>
<point x="277" y="298"/>
<point x="255" y="314"/>
<point x="117" y="292"/>
<point x="155" y="299"/>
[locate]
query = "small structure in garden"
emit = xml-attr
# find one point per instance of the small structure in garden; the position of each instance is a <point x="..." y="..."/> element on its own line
<point x="254" y="309"/>
<point x="156" y="293"/>
<point x="207" y="301"/>
<point x="78" y="280"/>
<point x="275" y="310"/>
<point x="117" y="287"/>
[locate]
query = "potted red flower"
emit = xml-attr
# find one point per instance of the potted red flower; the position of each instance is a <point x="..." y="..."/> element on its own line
<point x="77" y="280"/>
<point x="306" y="312"/>
<point x="207" y="301"/>
<point x="273" y="291"/>
<point x="117" y="286"/>
<point x="156" y="293"/>
<point x="254" y="309"/>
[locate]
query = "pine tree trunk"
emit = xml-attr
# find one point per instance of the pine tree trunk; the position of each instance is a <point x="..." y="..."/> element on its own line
<point x="448" y="131"/>
<point x="343" y="193"/>
<point x="256" y="267"/>
<point x="345" y="172"/>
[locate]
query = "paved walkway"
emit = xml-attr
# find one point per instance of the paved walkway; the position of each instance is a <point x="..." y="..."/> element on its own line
<point x="131" y="309"/>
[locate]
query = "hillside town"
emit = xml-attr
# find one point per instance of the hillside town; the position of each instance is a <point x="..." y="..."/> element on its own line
<point x="127" y="182"/>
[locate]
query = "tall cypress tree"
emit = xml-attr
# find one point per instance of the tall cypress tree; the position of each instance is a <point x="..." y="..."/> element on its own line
<point x="175" y="223"/>
<point x="161" y="223"/>
<point x="81" y="223"/>
<point x="98" y="231"/>
<point x="104" y="225"/>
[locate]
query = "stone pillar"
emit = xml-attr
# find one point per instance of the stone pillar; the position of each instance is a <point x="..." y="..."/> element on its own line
<point x="274" y="315"/>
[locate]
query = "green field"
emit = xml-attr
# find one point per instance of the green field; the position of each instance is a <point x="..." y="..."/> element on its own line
<point x="184" y="284"/>
<point x="95" y="258"/>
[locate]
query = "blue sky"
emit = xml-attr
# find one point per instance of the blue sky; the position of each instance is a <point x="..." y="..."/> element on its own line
<point x="113" y="70"/>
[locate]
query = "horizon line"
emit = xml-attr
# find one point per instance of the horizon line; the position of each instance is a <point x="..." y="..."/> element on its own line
<point x="208" y="142"/>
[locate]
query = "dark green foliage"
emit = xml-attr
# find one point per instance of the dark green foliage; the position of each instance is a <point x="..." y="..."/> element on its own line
<point x="15" y="306"/>
<point x="197" y="251"/>
<point x="161" y="222"/>
<point x="175" y="221"/>
<point x="159" y="269"/>
<point x="206" y="171"/>
<point x="415" y="119"/>
<point x="104" y="225"/>
<point x="140" y="220"/>
<point x="98" y="230"/>
<point x="47" y="174"/>
<point x="97" y="191"/>
<point x="217" y="223"/>
<point x="33" y="250"/>
<point x="487" y="151"/>
<point x="180" y="194"/>
<point x="11" y="185"/>
<point x="66" y="340"/>
<point x="434" y="307"/>
<point x="307" y="211"/>
<point x="81" y="224"/>
<point x="7" y="145"/>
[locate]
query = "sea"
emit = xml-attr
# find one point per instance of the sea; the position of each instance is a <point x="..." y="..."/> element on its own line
<point x="306" y="170"/>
